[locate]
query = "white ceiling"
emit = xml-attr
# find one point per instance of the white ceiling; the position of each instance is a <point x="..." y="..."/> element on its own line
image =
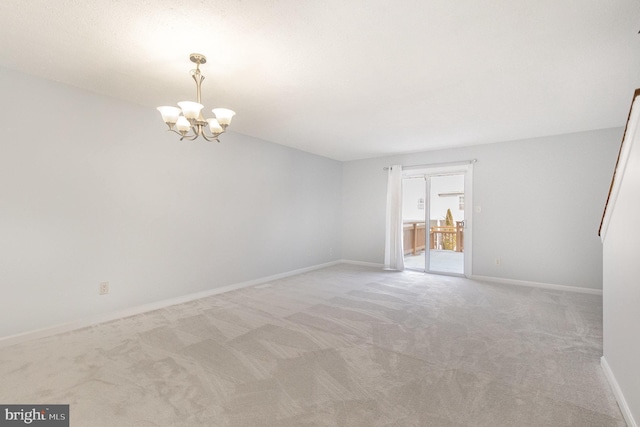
<point x="348" y="79"/>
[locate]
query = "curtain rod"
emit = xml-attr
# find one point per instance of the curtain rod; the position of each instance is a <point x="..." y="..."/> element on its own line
<point x="462" y="162"/>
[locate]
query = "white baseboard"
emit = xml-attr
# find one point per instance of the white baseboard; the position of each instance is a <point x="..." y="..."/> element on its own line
<point x="363" y="263"/>
<point x="622" y="403"/>
<point x="132" y="311"/>
<point x="537" y="285"/>
<point x="499" y="280"/>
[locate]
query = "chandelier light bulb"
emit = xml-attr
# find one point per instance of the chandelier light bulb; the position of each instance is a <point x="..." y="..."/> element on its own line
<point x="214" y="126"/>
<point x="169" y="114"/>
<point x="223" y="115"/>
<point x="183" y="124"/>
<point x="191" y="110"/>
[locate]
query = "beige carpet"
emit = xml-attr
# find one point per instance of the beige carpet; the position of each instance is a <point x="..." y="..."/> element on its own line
<point x="341" y="346"/>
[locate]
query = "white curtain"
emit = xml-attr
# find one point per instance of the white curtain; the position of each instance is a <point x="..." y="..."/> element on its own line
<point x="393" y="248"/>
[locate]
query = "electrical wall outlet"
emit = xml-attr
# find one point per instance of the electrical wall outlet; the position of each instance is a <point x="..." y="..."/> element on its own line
<point x="103" y="289"/>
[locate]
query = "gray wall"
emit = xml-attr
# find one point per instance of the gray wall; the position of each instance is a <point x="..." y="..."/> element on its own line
<point x="541" y="201"/>
<point x="93" y="189"/>
<point x="621" y="293"/>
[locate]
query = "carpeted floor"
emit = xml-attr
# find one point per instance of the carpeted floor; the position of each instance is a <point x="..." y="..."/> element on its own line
<point x="341" y="346"/>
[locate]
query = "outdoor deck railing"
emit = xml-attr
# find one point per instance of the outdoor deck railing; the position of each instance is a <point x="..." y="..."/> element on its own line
<point x="415" y="238"/>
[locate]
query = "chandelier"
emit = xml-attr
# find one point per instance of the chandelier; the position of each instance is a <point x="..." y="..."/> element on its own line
<point x="188" y="121"/>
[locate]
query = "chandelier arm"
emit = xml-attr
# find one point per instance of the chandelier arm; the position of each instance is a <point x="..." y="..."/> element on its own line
<point x="194" y="137"/>
<point x="213" y="137"/>
<point x="178" y="133"/>
<point x="185" y="135"/>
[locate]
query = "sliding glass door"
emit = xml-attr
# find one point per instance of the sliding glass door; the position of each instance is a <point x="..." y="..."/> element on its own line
<point x="446" y="224"/>
<point x="414" y="193"/>
<point x="435" y="227"/>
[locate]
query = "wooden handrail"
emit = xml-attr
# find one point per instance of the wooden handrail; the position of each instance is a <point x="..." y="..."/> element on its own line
<point x="615" y="170"/>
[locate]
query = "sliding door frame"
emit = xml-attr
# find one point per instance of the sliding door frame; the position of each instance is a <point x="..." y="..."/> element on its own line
<point x="427" y="172"/>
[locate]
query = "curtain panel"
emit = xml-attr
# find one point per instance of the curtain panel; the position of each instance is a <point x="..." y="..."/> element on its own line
<point x="394" y="250"/>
